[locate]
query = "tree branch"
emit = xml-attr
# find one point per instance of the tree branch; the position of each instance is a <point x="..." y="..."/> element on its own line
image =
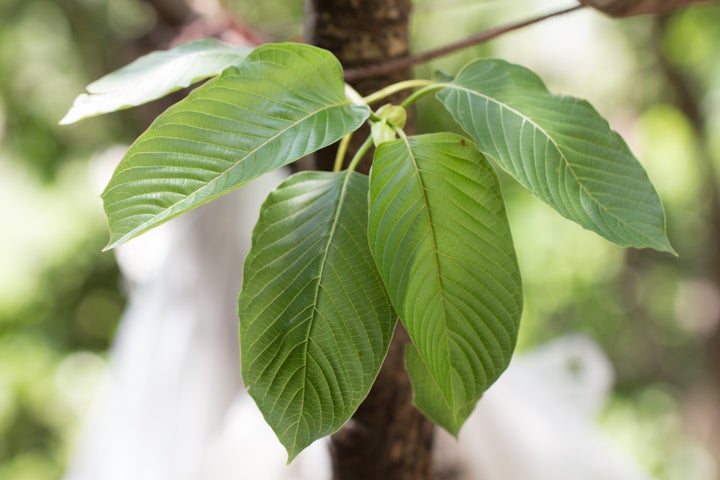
<point x="353" y="74"/>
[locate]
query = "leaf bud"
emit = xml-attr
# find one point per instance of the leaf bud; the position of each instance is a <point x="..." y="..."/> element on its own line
<point x="382" y="132"/>
<point x="394" y="114"/>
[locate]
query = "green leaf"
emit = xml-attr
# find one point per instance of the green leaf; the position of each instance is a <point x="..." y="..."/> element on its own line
<point x="315" y="320"/>
<point x="282" y="103"/>
<point x="428" y="396"/>
<point x="560" y="149"/>
<point x="155" y="75"/>
<point x="441" y="240"/>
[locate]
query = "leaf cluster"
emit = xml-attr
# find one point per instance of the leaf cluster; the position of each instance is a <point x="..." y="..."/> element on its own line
<point x="337" y="257"/>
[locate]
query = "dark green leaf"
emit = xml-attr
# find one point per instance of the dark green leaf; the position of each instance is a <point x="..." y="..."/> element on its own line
<point x="560" y="149"/>
<point x="315" y="320"/>
<point x="441" y="240"/>
<point x="282" y="103"/>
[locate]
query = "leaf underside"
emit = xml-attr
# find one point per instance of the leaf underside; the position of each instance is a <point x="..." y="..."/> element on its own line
<point x="428" y="396"/>
<point x="560" y="149"/>
<point x="315" y="320"/>
<point x="282" y="103"/>
<point x="441" y="240"/>
<point x="155" y="75"/>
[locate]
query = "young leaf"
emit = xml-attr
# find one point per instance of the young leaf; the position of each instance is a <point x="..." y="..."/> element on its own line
<point x="441" y="240"/>
<point x="155" y="75"/>
<point x="282" y="103"/>
<point x="315" y="320"/>
<point x="560" y="149"/>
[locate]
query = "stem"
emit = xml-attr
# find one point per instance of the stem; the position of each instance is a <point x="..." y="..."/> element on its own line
<point x="401" y="133"/>
<point x="384" y="68"/>
<point x="395" y="88"/>
<point x="387" y="438"/>
<point x="421" y="93"/>
<point x="360" y="153"/>
<point x="342" y="150"/>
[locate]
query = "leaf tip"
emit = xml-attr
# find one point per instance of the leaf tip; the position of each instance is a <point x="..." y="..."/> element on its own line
<point x="454" y="432"/>
<point x="110" y="245"/>
<point x="70" y="117"/>
<point x="116" y="241"/>
<point x="293" y="450"/>
<point x="663" y="245"/>
<point x="669" y="249"/>
<point x="291" y="456"/>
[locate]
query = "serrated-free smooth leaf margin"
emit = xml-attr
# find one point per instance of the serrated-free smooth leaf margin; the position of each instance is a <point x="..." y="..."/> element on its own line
<point x="440" y="237"/>
<point x="428" y="396"/>
<point x="155" y="75"/>
<point x="560" y="149"/>
<point x="282" y="103"/>
<point x="315" y="320"/>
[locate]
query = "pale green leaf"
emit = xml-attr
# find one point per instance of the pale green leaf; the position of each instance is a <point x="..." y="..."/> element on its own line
<point x="315" y="320"/>
<point x="155" y="75"/>
<point x="441" y="240"/>
<point x="560" y="149"/>
<point x="282" y="103"/>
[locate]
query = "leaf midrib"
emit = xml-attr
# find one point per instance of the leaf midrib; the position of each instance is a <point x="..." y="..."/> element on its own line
<point x="212" y="182"/>
<point x="437" y="265"/>
<point x="559" y="150"/>
<point x="321" y="274"/>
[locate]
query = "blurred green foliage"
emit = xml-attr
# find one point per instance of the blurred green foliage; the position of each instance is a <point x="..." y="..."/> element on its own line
<point x="60" y="298"/>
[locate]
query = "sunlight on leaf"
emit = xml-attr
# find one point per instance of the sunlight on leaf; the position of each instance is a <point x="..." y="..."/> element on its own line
<point x="155" y="75"/>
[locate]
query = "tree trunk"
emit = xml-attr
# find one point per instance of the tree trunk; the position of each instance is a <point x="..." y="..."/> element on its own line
<point x="387" y="438"/>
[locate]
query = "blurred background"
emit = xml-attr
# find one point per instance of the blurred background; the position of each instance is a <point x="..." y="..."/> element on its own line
<point x="657" y="317"/>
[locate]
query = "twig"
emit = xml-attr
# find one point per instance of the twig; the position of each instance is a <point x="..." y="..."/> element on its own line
<point x="384" y="68"/>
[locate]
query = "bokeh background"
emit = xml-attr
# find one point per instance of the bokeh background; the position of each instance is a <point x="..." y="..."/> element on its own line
<point x="657" y="79"/>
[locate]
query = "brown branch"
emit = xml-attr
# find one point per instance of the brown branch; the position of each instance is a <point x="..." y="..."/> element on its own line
<point x="384" y="68"/>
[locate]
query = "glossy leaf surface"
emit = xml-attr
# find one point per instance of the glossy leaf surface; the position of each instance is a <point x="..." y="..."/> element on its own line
<point x="155" y="75"/>
<point x="315" y="320"/>
<point x="560" y="149"/>
<point x="441" y="240"/>
<point x="282" y="103"/>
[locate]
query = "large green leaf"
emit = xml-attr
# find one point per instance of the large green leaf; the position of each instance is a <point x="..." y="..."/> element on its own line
<point x="441" y="240"/>
<point x="282" y="103"/>
<point x="155" y="75"/>
<point x="315" y="320"/>
<point x="560" y="149"/>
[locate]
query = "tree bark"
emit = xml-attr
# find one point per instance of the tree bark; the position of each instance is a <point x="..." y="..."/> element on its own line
<point x="387" y="438"/>
<point x="360" y="33"/>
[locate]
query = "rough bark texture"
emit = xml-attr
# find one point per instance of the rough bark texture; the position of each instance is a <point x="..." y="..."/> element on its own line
<point x="360" y="33"/>
<point x="387" y="438"/>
